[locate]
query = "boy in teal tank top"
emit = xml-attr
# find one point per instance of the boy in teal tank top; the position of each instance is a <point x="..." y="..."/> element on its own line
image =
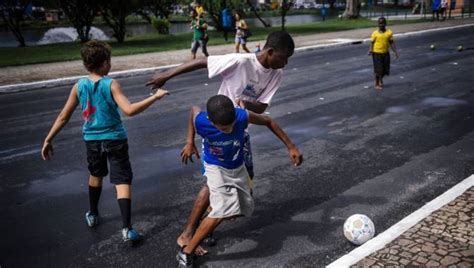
<point x="101" y="98"/>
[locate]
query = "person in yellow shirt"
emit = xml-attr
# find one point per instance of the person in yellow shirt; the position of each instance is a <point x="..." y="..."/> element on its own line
<point x="199" y="9"/>
<point x="381" y="42"/>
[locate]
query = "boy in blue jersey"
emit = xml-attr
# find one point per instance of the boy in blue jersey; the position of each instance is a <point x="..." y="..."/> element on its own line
<point x="222" y="128"/>
<point x="100" y="98"/>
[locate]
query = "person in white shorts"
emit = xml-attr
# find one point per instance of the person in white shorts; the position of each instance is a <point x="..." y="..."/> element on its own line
<point x="222" y="128"/>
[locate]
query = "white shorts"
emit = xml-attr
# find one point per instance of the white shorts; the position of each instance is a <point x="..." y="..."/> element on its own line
<point x="229" y="191"/>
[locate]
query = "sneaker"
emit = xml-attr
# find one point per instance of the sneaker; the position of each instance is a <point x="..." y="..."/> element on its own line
<point x="91" y="219"/>
<point x="129" y="234"/>
<point x="184" y="260"/>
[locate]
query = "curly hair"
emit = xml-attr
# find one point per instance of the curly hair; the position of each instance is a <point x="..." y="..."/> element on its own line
<point x="94" y="53"/>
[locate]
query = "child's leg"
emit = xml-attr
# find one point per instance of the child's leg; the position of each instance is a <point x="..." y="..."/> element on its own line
<point x="95" y="189"/>
<point x="124" y="195"/>
<point x="244" y="47"/>
<point x="237" y="47"/>
<point x="207" y="226"/>
<point x="197" y="212"/>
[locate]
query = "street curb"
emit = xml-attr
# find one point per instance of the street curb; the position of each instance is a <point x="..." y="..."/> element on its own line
<point x="402" y="226"/>
<point x="73" y="79"/>
<point x="127" y="73"/>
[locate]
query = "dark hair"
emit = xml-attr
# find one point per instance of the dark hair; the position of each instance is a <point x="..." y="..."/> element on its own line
<point x="281" y="41"/>
<point x="220" y="110"/>
<point x="382" y="18"/>
<point x="94" y="53"/>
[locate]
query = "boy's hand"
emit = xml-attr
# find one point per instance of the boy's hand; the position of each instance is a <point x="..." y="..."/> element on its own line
<point x="160" y="93"/>
<point x="158" y="80"/>
<point x="47" y="151"/>
<point x="187" y="153"/>
<point x="240" y="103"/>
<point x="296" y="156"/>
<point x="369" y="53"/>
<point x="397" y="56"/>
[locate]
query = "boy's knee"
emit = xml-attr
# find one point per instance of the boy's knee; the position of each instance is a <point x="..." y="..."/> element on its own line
<point x="95" y="181"/>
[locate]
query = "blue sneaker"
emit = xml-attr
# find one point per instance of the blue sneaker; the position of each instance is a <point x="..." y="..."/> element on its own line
<point x="129" y="234"/>
<point x="91" y="219"/>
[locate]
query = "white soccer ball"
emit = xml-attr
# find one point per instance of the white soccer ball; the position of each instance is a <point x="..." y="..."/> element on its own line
<point x="359" y="229"/>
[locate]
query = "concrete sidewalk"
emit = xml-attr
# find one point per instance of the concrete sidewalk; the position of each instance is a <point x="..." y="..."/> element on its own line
<point x="41" y="72"/>
<point x="445" y="238"/>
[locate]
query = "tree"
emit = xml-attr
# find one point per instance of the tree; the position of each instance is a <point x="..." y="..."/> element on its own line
<point x="115" y="12"/>
<point x="155" y="8"/>
<point x="254" y="10"/>
<point x="81" y="14"/>
<point x="285" y="6"/>
<point x="13" y="13"/>
<point x="352" y="9"/>
<point x="214" y="8"/>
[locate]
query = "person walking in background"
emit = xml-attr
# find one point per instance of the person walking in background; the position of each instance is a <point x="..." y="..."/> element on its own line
<point x="382" y="40"/>
<point x="241" y="33"/>
<point x="200" y="37"/>
<point x="442" y="10"/>
<point x="435" y="7"/>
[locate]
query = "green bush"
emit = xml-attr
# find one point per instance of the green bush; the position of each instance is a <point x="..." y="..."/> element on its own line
<point x="161" y="25"/>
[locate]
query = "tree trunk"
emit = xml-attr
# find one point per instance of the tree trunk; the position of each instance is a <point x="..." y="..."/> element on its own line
<point x="352" y="9"/>
<point x="254" y="10"/>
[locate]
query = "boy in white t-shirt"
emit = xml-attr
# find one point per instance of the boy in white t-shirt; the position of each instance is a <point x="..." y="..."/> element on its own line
<point x="249" y="80"/>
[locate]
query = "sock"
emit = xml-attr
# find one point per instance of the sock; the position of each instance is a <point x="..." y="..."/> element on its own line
<point x="125" y="208"/>
<point x="94" y="196"/>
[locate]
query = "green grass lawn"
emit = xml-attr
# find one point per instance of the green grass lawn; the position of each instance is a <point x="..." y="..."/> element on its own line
<point x="156" y="42"/>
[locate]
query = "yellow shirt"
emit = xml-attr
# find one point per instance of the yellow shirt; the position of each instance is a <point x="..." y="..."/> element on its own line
<point x="200" y="10"/>
<point x="381" y="41"/>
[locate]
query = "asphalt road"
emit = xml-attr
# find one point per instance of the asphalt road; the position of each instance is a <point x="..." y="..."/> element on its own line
<point x="382" y="154"/>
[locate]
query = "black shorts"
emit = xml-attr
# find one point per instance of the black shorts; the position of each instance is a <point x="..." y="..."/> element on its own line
<point x="381" y="63"/>
<point x="116" y="152"/>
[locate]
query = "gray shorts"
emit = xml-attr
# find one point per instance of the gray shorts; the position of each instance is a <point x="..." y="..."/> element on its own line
<point x="229" y="191"/>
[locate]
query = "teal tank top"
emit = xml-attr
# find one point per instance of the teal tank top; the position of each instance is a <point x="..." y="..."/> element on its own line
<point x="101" y="114"/>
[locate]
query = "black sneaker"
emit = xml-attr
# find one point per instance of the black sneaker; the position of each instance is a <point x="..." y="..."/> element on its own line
<point x="184" y="260"/>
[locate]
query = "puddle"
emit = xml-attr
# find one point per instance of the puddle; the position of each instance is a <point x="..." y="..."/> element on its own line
<point x="397" y="109"/>
<point x="442" y="102"/>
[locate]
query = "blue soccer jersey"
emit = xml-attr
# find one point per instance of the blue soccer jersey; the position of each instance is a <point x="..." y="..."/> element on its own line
<point x="221" y="149"/>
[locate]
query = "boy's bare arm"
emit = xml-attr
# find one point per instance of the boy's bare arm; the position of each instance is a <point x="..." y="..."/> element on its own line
<point x="394" y="48"/>
<point x="256" y="107"/>
<point x="159" y="79"/>
<point x="371" y="48"/>
<point x="295" y="155"/>
<point x="190" y="148"/>
<point x="131" y="109"/>
<point x="62" y="119"/>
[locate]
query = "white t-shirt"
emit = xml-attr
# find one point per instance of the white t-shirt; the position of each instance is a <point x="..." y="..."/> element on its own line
<point x="244" y="77"/>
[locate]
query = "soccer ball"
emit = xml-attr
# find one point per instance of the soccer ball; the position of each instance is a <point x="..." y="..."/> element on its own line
<point x="358" y="229"/>
<point x="460" y="48"/>
<point x="432" y="47"/>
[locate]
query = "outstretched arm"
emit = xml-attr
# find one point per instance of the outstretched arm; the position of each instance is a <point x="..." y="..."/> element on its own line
<point x="159" y="79"/>
<point x="295" y="155"/>
<point x="190" y="148"/>
<point x="131" y="109"/>
<point x="62" y="119"/>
